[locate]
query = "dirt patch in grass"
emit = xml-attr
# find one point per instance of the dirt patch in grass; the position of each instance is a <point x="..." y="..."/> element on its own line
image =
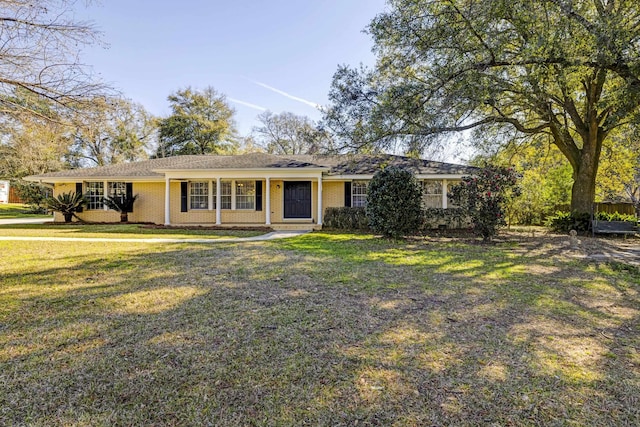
<point x="323" y="329"/>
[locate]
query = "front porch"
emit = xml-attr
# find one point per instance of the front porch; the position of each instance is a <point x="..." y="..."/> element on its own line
<point x="241" y="200"/>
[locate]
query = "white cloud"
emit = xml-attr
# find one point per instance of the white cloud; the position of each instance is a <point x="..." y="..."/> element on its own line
<point x="288" y="95"/>
<point x="248" y="104"/>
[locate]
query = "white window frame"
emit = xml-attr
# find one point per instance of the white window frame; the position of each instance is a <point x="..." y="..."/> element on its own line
<point x="198" y="195"/>
<point x="245" y="194"/>
<point x="359" y="193"/>
<point x="432" y="193"/>
<point x="226" y="194"/>
<point x="94" y="192"/>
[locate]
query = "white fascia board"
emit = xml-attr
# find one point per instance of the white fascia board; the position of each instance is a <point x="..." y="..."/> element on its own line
<point x="68" y="179"/>
<point x="346" y="177"/>
<point x="243" y="173"/>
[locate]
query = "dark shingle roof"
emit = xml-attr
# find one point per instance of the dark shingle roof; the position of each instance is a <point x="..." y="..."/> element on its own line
<point x="143" y="168"/>
<point x="357" y="164"/>
<point x="248" y="161"/>
<point x="369" y="164"/>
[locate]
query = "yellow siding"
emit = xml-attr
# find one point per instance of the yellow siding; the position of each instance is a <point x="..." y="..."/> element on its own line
<point x="277" y="201"/>
<point x="333" y="194"/>
<point x="149" y="207"/>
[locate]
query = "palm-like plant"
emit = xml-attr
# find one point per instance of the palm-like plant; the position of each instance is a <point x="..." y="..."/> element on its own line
<point x="67" y="204"/>
<point x="122" y="204"/>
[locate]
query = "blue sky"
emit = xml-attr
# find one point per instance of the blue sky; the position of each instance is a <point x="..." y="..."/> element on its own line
<point x="278" y="55"/>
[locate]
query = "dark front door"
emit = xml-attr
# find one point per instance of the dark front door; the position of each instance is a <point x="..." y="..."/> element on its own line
<point x="297" y="199"/>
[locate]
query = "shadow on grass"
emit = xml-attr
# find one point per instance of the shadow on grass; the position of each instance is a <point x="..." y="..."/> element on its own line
<point x="322" y="330"/>
<point x="133" y="230"/>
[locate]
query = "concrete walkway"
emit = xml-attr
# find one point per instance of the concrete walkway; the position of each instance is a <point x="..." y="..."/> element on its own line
<point x="12" y="221"/>
<point x="269" y="236"/>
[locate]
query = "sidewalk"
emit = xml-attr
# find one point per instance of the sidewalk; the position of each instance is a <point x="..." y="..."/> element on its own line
<point x="269" y="236"/>
<point x="25" y="221"/>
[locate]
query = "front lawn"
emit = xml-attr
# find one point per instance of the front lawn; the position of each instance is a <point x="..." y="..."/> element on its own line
<point x="13" y="210"/>
<point x="323" y="329"/>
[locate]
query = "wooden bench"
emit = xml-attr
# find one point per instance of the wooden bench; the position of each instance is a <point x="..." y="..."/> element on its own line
<point x="614" y="227"/>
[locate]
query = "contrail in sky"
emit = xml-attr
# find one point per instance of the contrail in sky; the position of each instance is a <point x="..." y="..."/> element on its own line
<point x="248" y="104"/>
<point x="288" y="95"/>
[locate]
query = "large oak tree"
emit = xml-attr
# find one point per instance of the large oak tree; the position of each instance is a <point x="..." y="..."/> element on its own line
<point x="566" y="70"/>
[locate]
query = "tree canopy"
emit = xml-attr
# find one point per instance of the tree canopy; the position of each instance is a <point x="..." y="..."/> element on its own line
<point x="288" y="133"/>
<point x="111" y="130"/>
<point x="201" y="122"/>
<point x="40" y="43"/>
<point x="567" y="71"/>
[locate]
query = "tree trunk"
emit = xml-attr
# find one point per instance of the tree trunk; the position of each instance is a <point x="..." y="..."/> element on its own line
<point x="585" y="171"/>
<point x="124" y="217"/>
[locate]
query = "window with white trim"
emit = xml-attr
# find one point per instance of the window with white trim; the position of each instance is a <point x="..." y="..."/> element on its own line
<point x="245" y="194"/>
<point x="359" y="194"/>
<point x="225" y="195"/>
<point x="94" y="194"/>
<point x="116" y="189"/>
<point x="432" y="193"/>
<point x="198" y="195"/>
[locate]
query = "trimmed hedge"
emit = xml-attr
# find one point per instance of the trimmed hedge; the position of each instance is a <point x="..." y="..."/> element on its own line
<point x="563" y="222"/>
<point x="346" y="218"/>
<point x="349" y="218"/>
<point x="450" y="218"/>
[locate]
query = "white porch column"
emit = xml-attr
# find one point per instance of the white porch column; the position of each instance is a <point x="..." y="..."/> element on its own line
<point x="444" y="193"/>
<point x="320" y="199"/>
<point x="218" y="200"/>
<point x="267" y="205"/>
<point x="167" y="206"/>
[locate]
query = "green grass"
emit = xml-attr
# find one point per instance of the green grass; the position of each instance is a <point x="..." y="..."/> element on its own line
<point x="121" y="231"/>
<point x="13" y="210"/>
<point x="323" y="329"/>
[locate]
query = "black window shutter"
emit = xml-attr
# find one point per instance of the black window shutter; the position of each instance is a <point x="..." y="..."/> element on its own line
<point x="129" y="189"/>
<point x="258" y="195"/>
<point x="79" y="191"/>
<point x="184" y="192"/>
<point x="347" y="194"/>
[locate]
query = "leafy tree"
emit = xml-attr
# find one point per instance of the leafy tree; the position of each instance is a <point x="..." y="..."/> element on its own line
<point x="287" y="133"/>
<point x="201" y="122"/>
<point x="111" y="130"/>
<point x="32" y="146"/>
<point x="484" y="196"/>
<point x="564" y="69"/>
<point x="394" y="202"/>
<point x="545" y="182"/>
<point x="68" y="204"/>
<point x="41" y="41"/>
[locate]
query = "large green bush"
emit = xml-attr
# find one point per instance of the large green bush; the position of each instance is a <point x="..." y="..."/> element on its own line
<point x="346" y="218"/>
<point x="451" y="218"/>
<point x="394" y="203"/>
<point x="563" y="222"/>
<point x="484" y="196"/>
<point x="33" y="195"/>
